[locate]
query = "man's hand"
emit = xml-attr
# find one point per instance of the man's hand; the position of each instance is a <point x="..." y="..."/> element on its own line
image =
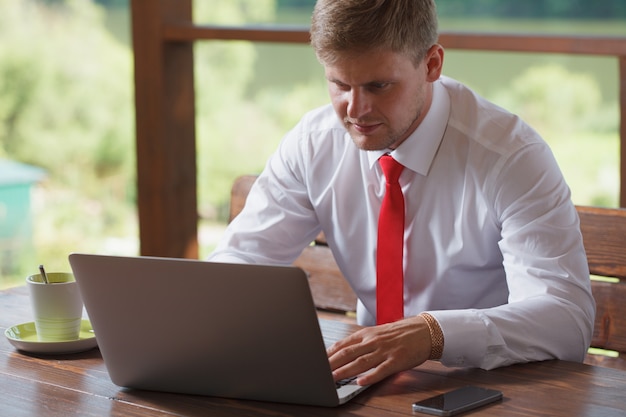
<point x="385" y="350"/>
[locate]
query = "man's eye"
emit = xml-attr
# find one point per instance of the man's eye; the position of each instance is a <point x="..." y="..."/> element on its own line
<point x="342" y="86"/>
<point x="377" y="87"/>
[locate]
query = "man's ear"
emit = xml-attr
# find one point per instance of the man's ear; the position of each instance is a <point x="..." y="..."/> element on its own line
<point x="434" y="62"/>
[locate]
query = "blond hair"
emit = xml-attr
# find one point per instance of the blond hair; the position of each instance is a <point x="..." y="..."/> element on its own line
<point x="340" y="27"/>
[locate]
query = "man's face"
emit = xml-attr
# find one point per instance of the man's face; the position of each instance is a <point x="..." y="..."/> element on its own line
<point x="381" y="96"/>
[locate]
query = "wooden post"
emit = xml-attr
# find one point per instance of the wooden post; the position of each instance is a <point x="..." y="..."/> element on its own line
<point x="165" y="129"/>
<point x="622" y="130"/>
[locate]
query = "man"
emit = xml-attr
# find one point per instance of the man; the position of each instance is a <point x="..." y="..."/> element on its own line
<point x="492" y="262"/>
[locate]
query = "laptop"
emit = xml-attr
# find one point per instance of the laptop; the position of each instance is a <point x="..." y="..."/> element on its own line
<point x="204" y="328"/>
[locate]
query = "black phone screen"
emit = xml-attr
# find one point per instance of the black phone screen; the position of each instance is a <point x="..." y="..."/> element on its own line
<point x="457" y="401"/>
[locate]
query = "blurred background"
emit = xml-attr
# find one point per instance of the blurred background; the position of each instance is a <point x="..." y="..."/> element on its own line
<point x="67" y="154"/>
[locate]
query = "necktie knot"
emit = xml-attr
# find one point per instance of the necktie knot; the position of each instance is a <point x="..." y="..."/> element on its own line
<point x="391" y="168"/>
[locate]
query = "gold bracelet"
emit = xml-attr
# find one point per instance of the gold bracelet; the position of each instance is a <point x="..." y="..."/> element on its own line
<point x="436" y="336"/>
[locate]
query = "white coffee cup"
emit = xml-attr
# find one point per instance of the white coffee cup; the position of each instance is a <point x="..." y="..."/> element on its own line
<point x="57" y="306"/>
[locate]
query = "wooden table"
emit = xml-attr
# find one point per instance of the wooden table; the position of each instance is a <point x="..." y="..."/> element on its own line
<point x="79" y="385"/>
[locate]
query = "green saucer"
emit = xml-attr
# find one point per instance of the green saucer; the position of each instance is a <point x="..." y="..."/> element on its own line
<point x="24" y="337"/>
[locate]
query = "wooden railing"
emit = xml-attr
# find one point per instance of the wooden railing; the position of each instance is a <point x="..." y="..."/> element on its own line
<point x="163" y="36"/>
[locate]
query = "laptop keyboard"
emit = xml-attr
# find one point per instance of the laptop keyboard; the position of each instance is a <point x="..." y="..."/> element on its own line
<point x="342" y="382"/>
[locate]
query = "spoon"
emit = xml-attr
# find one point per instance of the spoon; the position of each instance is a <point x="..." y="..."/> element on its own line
<point x="43" y="274"/>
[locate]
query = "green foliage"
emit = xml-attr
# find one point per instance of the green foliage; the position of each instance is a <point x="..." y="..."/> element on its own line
<point x="550" y="97"/>
<point x="234" y="12"/>
<point x="567" y="109"/>
<point x="66" y="106"/>
<point x="235" y="132"/>
<point x="113" y="3"/>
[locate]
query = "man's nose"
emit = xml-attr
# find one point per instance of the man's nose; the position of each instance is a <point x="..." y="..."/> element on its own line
<point x="358" y="103"/>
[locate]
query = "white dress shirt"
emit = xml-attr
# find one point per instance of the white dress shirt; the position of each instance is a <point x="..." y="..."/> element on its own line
<point x="493" y="248"/>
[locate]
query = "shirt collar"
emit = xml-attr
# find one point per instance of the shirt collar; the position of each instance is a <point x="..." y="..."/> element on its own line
<point x="418" y="151"/>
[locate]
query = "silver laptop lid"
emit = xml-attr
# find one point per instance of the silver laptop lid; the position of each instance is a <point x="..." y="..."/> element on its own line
<point x="195" y="327"/>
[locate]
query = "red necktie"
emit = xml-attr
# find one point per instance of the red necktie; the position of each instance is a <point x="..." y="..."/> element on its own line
<point x="389" y="255"/>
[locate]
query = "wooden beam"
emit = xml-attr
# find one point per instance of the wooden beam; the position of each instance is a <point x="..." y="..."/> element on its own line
<point x="282" y="34"/>
<point x="576" y="45"/>
<point x="165" y="131"/>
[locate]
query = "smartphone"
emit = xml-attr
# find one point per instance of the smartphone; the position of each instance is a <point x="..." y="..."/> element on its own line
<point x="460" y="400"/>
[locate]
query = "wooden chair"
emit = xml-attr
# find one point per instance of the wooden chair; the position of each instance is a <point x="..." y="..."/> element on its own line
<point x="604" y="237"/>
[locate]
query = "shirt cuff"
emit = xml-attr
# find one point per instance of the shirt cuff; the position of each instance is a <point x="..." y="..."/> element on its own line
<point x="466" y="337"/>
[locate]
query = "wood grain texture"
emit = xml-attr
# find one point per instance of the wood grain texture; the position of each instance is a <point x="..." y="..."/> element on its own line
<point x="165" y="131"/>
<point x="63" y="385"/>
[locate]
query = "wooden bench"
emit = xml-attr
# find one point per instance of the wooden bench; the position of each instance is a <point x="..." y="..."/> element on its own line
<point x="604" y="236"/>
